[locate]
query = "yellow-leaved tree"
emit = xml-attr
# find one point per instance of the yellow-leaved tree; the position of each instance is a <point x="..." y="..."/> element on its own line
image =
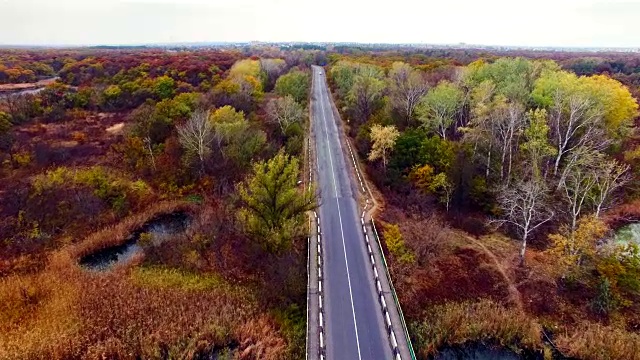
<point x="384" y="139"/>
<point x="573" y="249"/>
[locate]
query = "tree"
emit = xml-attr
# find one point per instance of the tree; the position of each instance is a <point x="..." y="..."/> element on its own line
<point x="6" y="138"/>
<point x="525" y="207"/>
<point x="438" y="152"/>
<point x="295" y="83"/>
<point x="396" y="244"/>
<point x="425" y="180"/>
<point x="384" y="139"/>
<point x="245" y="67"/>
<point x="441" y="184"/>
<point x="576" y="116"/>
<point x="406" y="88"/>
<point x="343" y="74"/>
<point x="618" y="105"/>
<point x="111" y="99"/>
<point x="536" y="143"/>
<point x="408" y="149"/>
<point x="270" y="70"/>
<point x="578" y="181"/>
<point x="438" y="108"/>
<point x="572" y="248"/>
<point x="196" y="136"/>
<point x="364" y="94"/>
<point x="164" y="87"/>
<point x="272" y="205"/>
<point x="228" y="127"/>
<point x="285" y="112"/>
<point x="609" y="177"/>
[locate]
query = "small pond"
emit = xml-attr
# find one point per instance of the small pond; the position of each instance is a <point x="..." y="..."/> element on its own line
<point x="628" y="233"/>
<point x="158" y="229"/>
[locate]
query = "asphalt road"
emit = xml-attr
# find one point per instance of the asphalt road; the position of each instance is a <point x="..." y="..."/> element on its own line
<point x="354" y="326"/>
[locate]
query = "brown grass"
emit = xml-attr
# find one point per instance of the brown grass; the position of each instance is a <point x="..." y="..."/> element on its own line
<point x="66" y="312"/>
<point x="597" y="342"/>
<point x="458" y="323"/>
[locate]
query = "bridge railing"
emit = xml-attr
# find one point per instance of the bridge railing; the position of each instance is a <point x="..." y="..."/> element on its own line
<point x="393" y="291"/>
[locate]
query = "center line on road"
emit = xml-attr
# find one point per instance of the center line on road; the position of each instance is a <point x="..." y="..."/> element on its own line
<point x="344" y="247"/>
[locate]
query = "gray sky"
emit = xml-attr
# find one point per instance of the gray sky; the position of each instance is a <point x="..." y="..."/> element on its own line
<point x="592" y="23"/>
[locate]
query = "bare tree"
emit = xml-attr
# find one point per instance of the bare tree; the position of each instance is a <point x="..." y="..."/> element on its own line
<point x="575" y="122"/>
<point x="610" y="176"/>
<point x="508" y="127"/>
<point x="285" y="111"/>
<point x="526" y="208"/>
<point x="147" y="143"/>
<point x="577" y="182"/>
<point x="406" y="87"/>
<point x="196" y="136"/>
<point x="272" y="69"/>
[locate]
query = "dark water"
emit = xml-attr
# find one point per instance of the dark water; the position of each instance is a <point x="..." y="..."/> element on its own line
<point x="476" y="352"/>
<point x="160" y="228"/>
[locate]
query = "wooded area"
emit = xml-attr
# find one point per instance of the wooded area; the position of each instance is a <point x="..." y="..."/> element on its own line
<point x="122" y="139"/>
<point x="501" y="179"/>
<point x="540" y="151"/>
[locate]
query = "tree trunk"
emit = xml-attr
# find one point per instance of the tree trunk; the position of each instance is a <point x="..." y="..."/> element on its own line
<point x="488" y="161"/>
<point x="524" y="247"/>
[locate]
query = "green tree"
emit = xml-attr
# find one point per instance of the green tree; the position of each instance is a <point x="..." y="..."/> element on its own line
<point x="111" y="97"/>
<point x="365" y="94"/>
<point x="438" y="152"/>
<point x="437" y="109"/>
<point x="229" y="127"/>
<point x="272" y="205"/>
<point x="343" y="74"/>
<point x="295" y="83"/>
<point x="164" y="87"/>
<point x="536" y="143"/>
<point x="407" y="150"/>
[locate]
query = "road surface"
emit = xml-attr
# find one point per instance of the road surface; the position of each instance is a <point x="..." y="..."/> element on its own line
<point x="354" y="328"/>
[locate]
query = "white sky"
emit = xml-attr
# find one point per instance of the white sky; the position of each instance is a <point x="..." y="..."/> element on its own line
<point x="589" y="23"/>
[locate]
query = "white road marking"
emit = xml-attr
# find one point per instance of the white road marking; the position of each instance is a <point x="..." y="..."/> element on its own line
<point x="344" y="246"/>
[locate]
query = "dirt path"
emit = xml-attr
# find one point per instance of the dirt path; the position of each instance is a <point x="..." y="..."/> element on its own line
<point x="514" y="294"/>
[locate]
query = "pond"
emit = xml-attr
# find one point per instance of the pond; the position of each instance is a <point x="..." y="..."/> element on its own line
<point x="20" y="92"/>
<point x="11" y="90"/>
<point x="628" y="233"/>
<point x="157" y="230"/>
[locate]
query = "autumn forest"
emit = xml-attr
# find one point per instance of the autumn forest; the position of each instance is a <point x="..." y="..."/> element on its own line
<point x="154" y="202"/>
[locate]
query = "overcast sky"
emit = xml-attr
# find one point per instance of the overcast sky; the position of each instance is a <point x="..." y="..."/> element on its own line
<point x="591" y="23"/>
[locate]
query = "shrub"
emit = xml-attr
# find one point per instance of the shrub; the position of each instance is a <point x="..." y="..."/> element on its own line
<point x="396" y="244"/>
